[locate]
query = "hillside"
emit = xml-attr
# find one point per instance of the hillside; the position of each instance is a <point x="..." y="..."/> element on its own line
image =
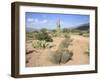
<point x="83" y="27"/>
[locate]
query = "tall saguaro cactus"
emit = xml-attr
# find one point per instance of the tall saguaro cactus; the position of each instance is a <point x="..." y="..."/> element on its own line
<point x="58" y="28"/>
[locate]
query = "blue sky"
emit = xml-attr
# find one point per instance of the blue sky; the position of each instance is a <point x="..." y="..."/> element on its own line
<point x="49" y="21"/>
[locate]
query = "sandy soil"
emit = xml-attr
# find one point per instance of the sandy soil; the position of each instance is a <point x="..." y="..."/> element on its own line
<point x="79" y="46"/>
<point x="41" y="58"/>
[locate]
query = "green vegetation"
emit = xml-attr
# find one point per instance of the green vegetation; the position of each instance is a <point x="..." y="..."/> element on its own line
<point x="67" y="36"/>
<point x="66" y="56"/>
<point x="41" y="44"/>
<point x="65" y="43"/>
<point x="60" y="56"/>
<point x="80" y="33"/>
<point x="86" y="34"/>
<point x="55" y="57"/>
<point x="87" y="51"/>
<point x="43" y="35"/>
<point x="30" y="36"/>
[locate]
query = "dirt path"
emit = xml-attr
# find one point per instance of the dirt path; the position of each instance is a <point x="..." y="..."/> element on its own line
<point x="79" y="46"/>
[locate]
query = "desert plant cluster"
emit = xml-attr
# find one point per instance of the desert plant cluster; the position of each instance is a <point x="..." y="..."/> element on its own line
<point x="41" y="44"/>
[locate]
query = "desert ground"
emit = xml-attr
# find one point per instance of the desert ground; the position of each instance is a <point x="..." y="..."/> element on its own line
<point x="40" y="57"/>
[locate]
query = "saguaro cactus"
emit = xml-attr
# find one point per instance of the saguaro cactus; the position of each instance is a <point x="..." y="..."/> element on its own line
<point x="58" y="28"/>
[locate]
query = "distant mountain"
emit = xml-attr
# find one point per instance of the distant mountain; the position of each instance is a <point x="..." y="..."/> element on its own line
<point x="83" y="27"/>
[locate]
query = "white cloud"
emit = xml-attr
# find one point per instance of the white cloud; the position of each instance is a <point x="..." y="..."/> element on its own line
<point x="32" y="20"/>
<point x="44" y="21"/>
<point x="29" y="19"/>
<point x="37" y="21"/>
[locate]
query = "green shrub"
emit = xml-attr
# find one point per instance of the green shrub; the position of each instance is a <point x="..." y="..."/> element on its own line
<point x="56" y="57"/>
<point x="65" y="43"/>
<point x="54" y="34"/>
<point x="80" y="33"/>
<point x="31" y="35"/>
<point x="65" y="30"/>
<point x="43" y="35"/>
<point x="87" y="51"/>
<point x="86" y="35"/>
<point x="66" y="36"/>
<point x="66" y="56"/>
<point x="44" y="30"/>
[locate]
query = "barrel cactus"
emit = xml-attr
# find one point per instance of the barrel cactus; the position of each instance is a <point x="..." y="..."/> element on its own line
<point x="59" y="56"/>
<point x="66" y="56"/>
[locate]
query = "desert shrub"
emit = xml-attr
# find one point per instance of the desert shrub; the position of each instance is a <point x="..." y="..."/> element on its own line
<point x="41" y="44"/>
<point x="43" y="35"/>
<point x="31" y="35"/>
<point x="87" y="51"/>
<point x="80" y="33"/>
<point x="66" y="56"/>
<point x="54" y="35"/>
<point x="66" y="36"/>
<point x="86" y="35"/>
<point x="65" y="30"/>
<point x="54" y="31"/>
<point x="43" y="30"/>
<point x="60" y="56"/>
<point x="65" y="43"/>
<point x="55" y="57"/>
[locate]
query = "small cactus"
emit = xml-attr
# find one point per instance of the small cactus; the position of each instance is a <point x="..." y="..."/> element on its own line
<point x="87" y="51"/>
<point x="66" y="36"/>
<point x="59" y="56"/>
<point x="64" y="44"/>
<point x="66" y="56"/>
<point x="41" y="44"/>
